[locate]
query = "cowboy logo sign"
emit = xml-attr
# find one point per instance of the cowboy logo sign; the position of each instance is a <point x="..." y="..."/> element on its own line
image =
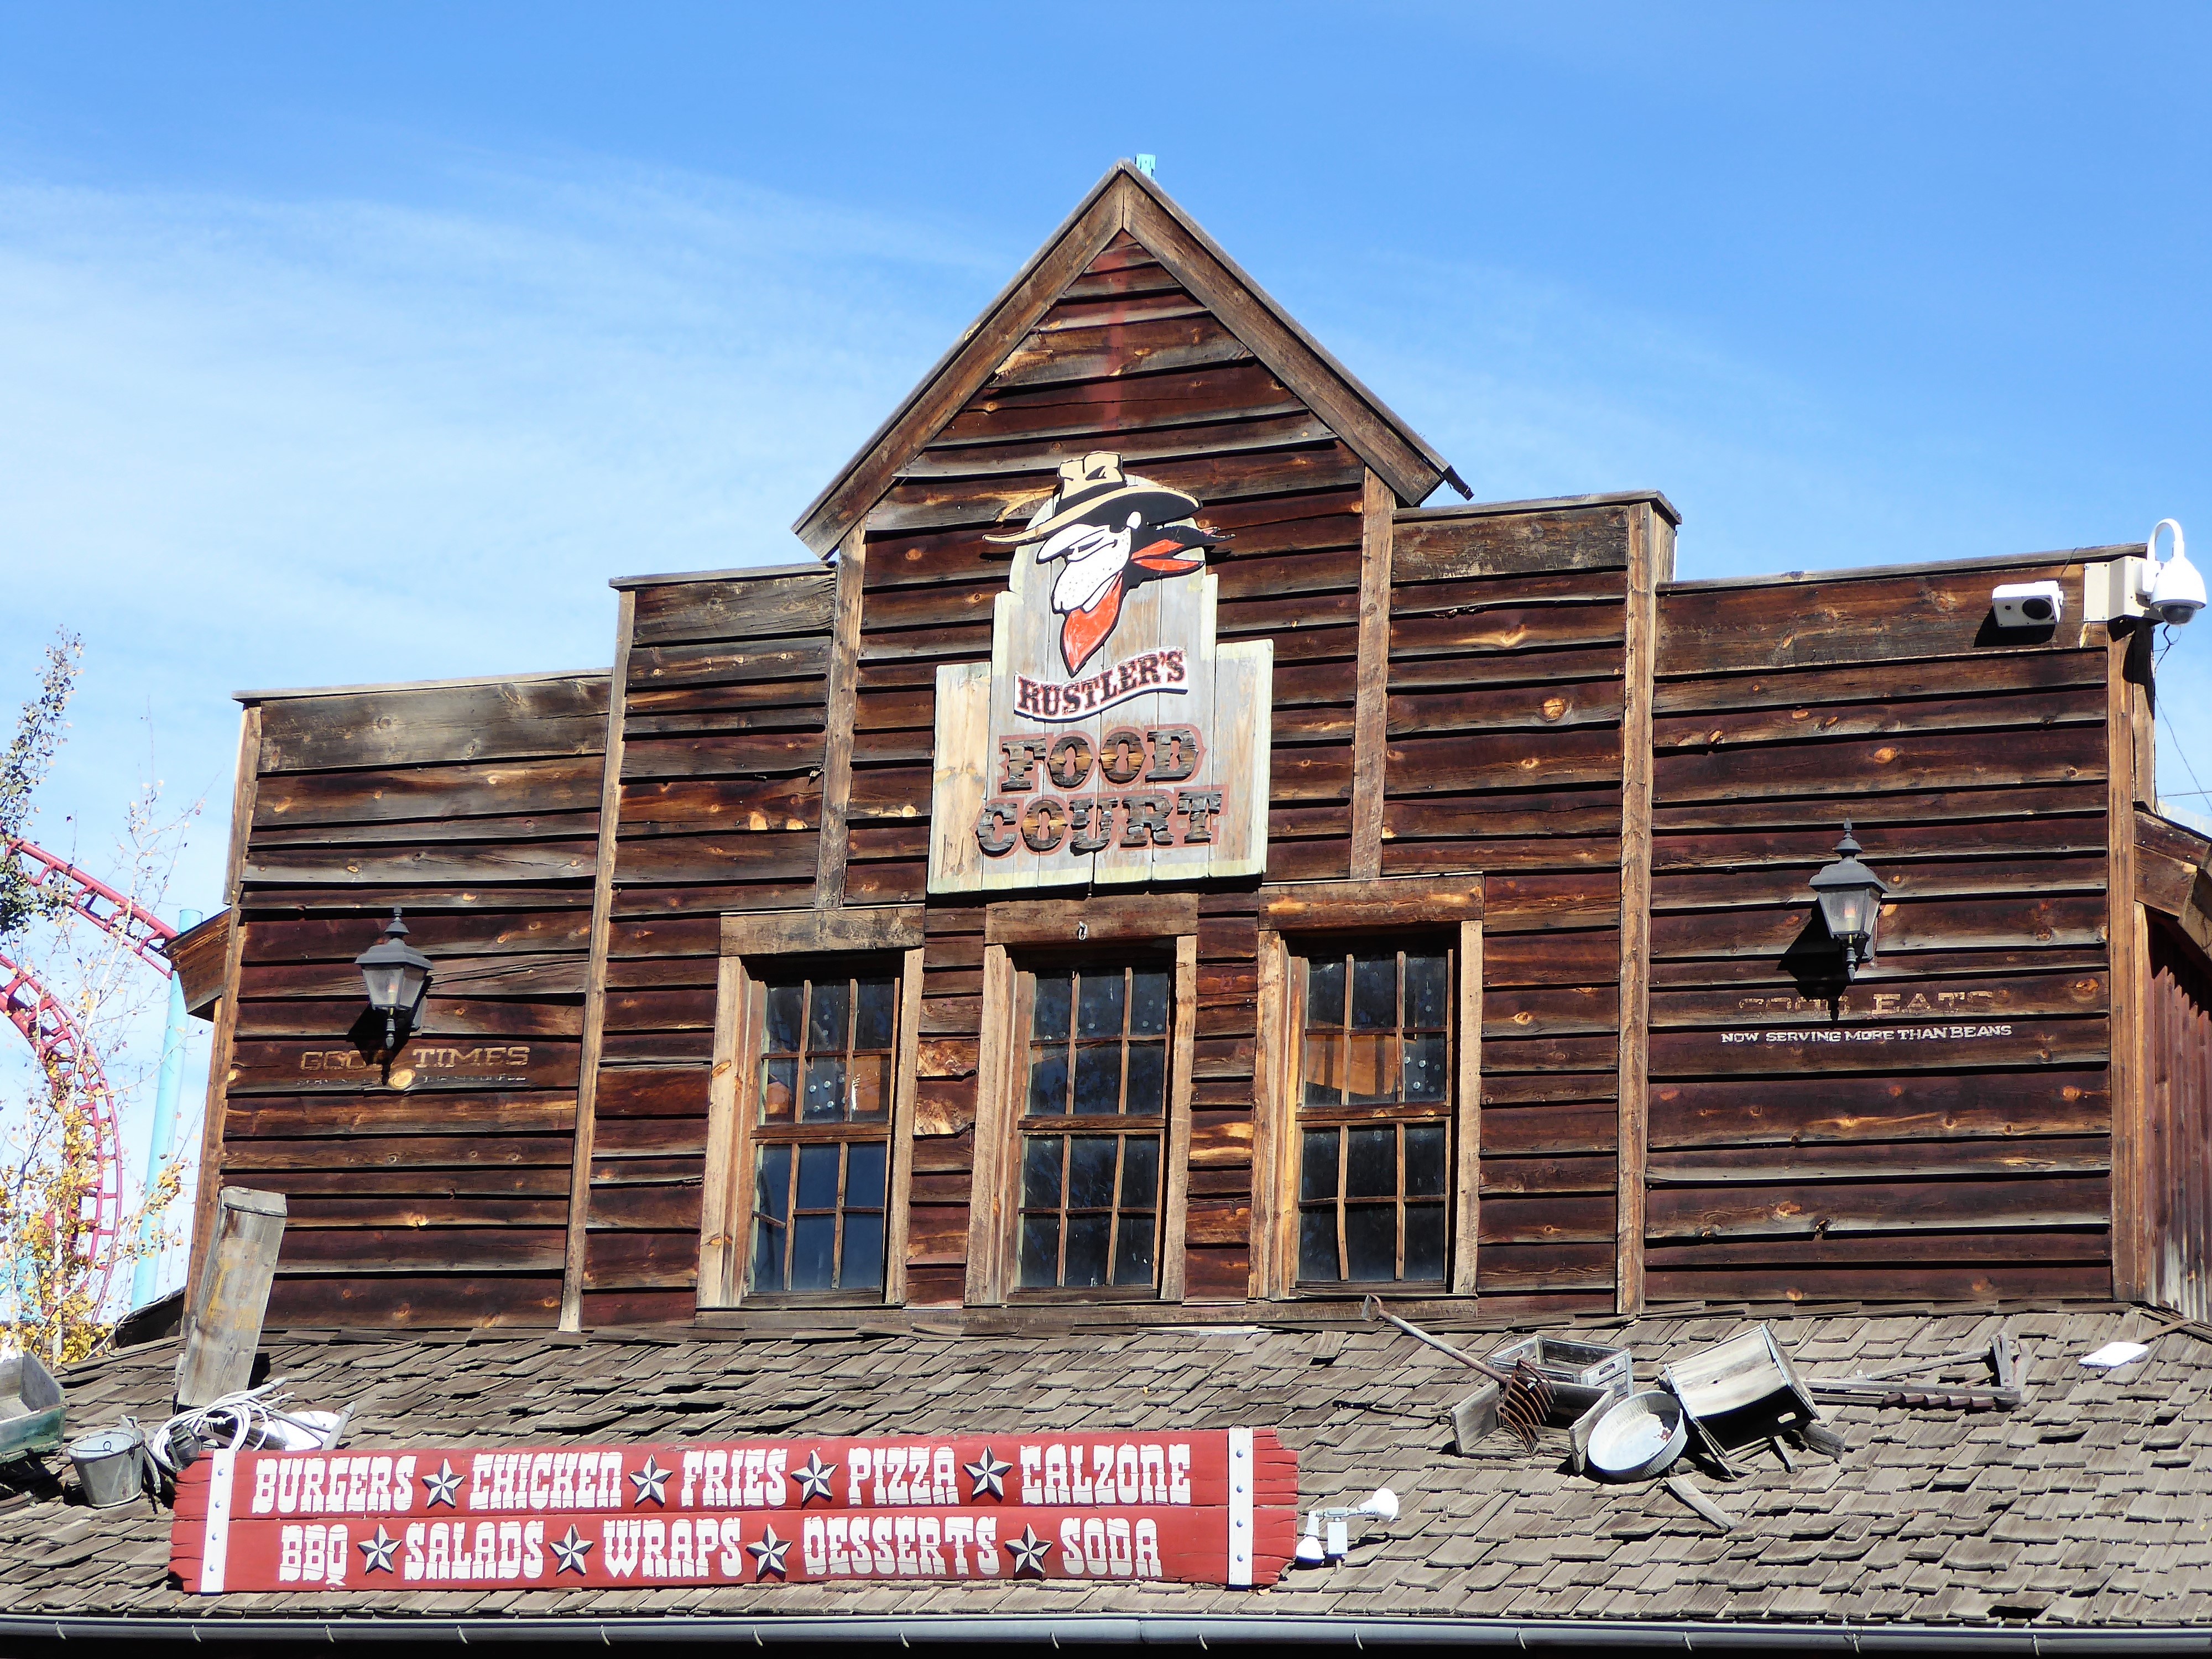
<point x="1108" y="531"/>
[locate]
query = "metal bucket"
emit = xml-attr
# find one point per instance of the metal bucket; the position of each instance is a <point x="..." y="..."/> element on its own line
<point x="111" y="1466"/>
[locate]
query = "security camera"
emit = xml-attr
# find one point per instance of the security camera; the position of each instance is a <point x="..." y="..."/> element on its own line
<point x="2176" y="592"/>
<point x="2028" y="605"/>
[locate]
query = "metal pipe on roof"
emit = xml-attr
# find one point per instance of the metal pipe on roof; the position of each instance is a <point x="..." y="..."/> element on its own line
<point x="1207" y="1630"/>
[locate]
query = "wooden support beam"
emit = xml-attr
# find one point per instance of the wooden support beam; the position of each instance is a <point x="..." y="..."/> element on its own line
<point x="1371" y="715"/>
<point x="595" y="974"/>
<point x="243" y="789"/>
<point x="837" y="753"/>
<point x="1650" y="557"/>
<point x="906" y="1087"/>
<point x="228" y="1295"/>
<point x="989" y="1224"/>
<point x="2127" y="934"/>
<point x="1175" y="1204"/>
<point x="821" y="932"/>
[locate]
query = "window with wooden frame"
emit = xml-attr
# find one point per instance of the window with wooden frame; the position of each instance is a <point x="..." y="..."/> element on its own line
<point x="1366" y="1137"/>
<point x="810" y="1112"/>
<point x="1374" y="1112"/>
<point x="822" y="1120"/>
<point x="1096" y="1048"/>
<point x="1083" y="1099"/>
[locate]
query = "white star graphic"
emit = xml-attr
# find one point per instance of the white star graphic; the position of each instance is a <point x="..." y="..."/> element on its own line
<point x="989" y="1475"/>
<point x="376" y="1553"/>
<point x="652" y="1482"/>
<point x="440" y="1488"/>
<point x="1028" y="1551"/>
<point x="814" y="1479"/>
<point x="768" y="1555"/>
<point x="570" y="1552"/>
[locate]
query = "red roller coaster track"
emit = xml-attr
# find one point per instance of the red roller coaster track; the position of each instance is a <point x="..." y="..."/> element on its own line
<point x="61" y="1049"/>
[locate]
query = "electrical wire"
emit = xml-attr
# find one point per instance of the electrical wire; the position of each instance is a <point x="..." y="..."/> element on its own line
<point x="229" y="1421"/>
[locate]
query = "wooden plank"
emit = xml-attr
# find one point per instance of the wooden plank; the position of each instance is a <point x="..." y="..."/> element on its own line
<point x="1467" y="1162"/>
<point x="1389" y="902"/>
<point x="2128" y="933"/>
<point x="1368" y="762"/>
<point x="823" y="931"/>
<point x="1107" y="918"/>
<point x="1649" y="540"/>
<point x="1879" y="682"/>
<point x="230" y="1296"/>
<point x="595" y="974"/>
<point x="780" y="607"/>
<point x="905" y="1089"/>
<point x="1804" y="1209"/>
<point x="243" y="784"/>
<point x="722" y="1225"/>
<point x="429" y="794"/>
<point x="1176" y="1202"/>
<point x="837" y="754"/>
<point x="501" y="719"/>
<point x="1274" y="1210"/>
<point x="989" y="1224"/>
<point x="1441" y="547"/>
<point x="199" y="956"/>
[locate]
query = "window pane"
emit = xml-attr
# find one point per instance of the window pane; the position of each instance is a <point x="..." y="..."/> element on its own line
<point x="1425" y="1241"/>
<point x="784" y="1006"/>
<point x="1132" y="1251"/>
<point x="1048" y="1007"/>
<point x="1098" y="1005"/>
<point x="1424" y="1160"/>
<point x="877" y="1013"/>
<point x="1370" y="1241"/>
<point x="825" y="1020"/>
<point x="1317" y="1244"/>
<point x="864" y="1175"/>
<point x="871" y="1084"/>
<point x="1048" y="1084"/>
<point x="817" y="1177"/>
<point x="1426" y="1071"/>
<point x="1041" y="1173"/>
<point x="1091" y="1173"/>
<point x="772" y="1182"/>
<point x="1370" y="1164"/>
<point x="1086" y="1252"/>
<point x="863" y="1266"/>
<point x="1098" y="1080"/>
<point x="1428" y="988"/>
<point x="1040" y="1250"/>
<point x="768" y="1256"/>
<point x="1317" y="1171"/>
<point x="1148" y="1002"/>
<point x="1148" y="1078"/>
<point x="778" y="1088"/>
<point x="824" y="1101"/>
<point x="1324" y="1068"/>
<point x="1374" y="991"/>
<point x="813" y="1241"/>
<point x="1140" y="1172"/>
<point x="1370" y="1069"/>
<point x="1324" y="993"/>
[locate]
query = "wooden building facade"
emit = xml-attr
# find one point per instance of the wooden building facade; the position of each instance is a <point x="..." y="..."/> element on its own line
<point x="1525" y="1003"/>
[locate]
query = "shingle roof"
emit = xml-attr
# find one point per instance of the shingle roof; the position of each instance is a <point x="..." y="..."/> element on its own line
<point x="2092" y="1504"/>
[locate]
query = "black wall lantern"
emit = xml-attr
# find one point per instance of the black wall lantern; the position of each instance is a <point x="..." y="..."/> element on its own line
<point x="1850" y="897"/>
<point x="398" y="978"/>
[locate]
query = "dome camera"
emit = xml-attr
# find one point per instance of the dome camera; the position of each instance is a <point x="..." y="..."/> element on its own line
<point x="2178" y="593"/>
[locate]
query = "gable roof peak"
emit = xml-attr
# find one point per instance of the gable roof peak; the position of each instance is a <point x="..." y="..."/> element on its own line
<point x="1126" y="200"/>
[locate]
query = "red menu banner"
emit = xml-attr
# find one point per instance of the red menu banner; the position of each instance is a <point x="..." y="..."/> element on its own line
<point x="1216" y="1506"/>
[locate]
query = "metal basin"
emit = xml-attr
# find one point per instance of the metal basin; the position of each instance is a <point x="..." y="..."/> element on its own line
<point x="1639" y="1436"/>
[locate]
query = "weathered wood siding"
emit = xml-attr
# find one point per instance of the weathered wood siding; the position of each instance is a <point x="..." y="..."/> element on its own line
<point x="1126" y="360"/>
<point x="723" y="717"/>
<point x="2178" y="1029"/>
<point x="1508" y="633"/>
<point x="443" y="1202"/>
<point x="1794" y="1156"/>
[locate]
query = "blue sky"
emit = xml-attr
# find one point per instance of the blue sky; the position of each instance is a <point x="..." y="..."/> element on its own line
<point x="365" y="343"/>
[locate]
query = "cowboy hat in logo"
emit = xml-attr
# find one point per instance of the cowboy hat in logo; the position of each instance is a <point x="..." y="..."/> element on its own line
<point x="1109" y="531"/>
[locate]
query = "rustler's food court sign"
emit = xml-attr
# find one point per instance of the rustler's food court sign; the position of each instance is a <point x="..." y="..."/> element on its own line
<point x="1210" y="1507"/>
<point x="1109" y="739"/>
